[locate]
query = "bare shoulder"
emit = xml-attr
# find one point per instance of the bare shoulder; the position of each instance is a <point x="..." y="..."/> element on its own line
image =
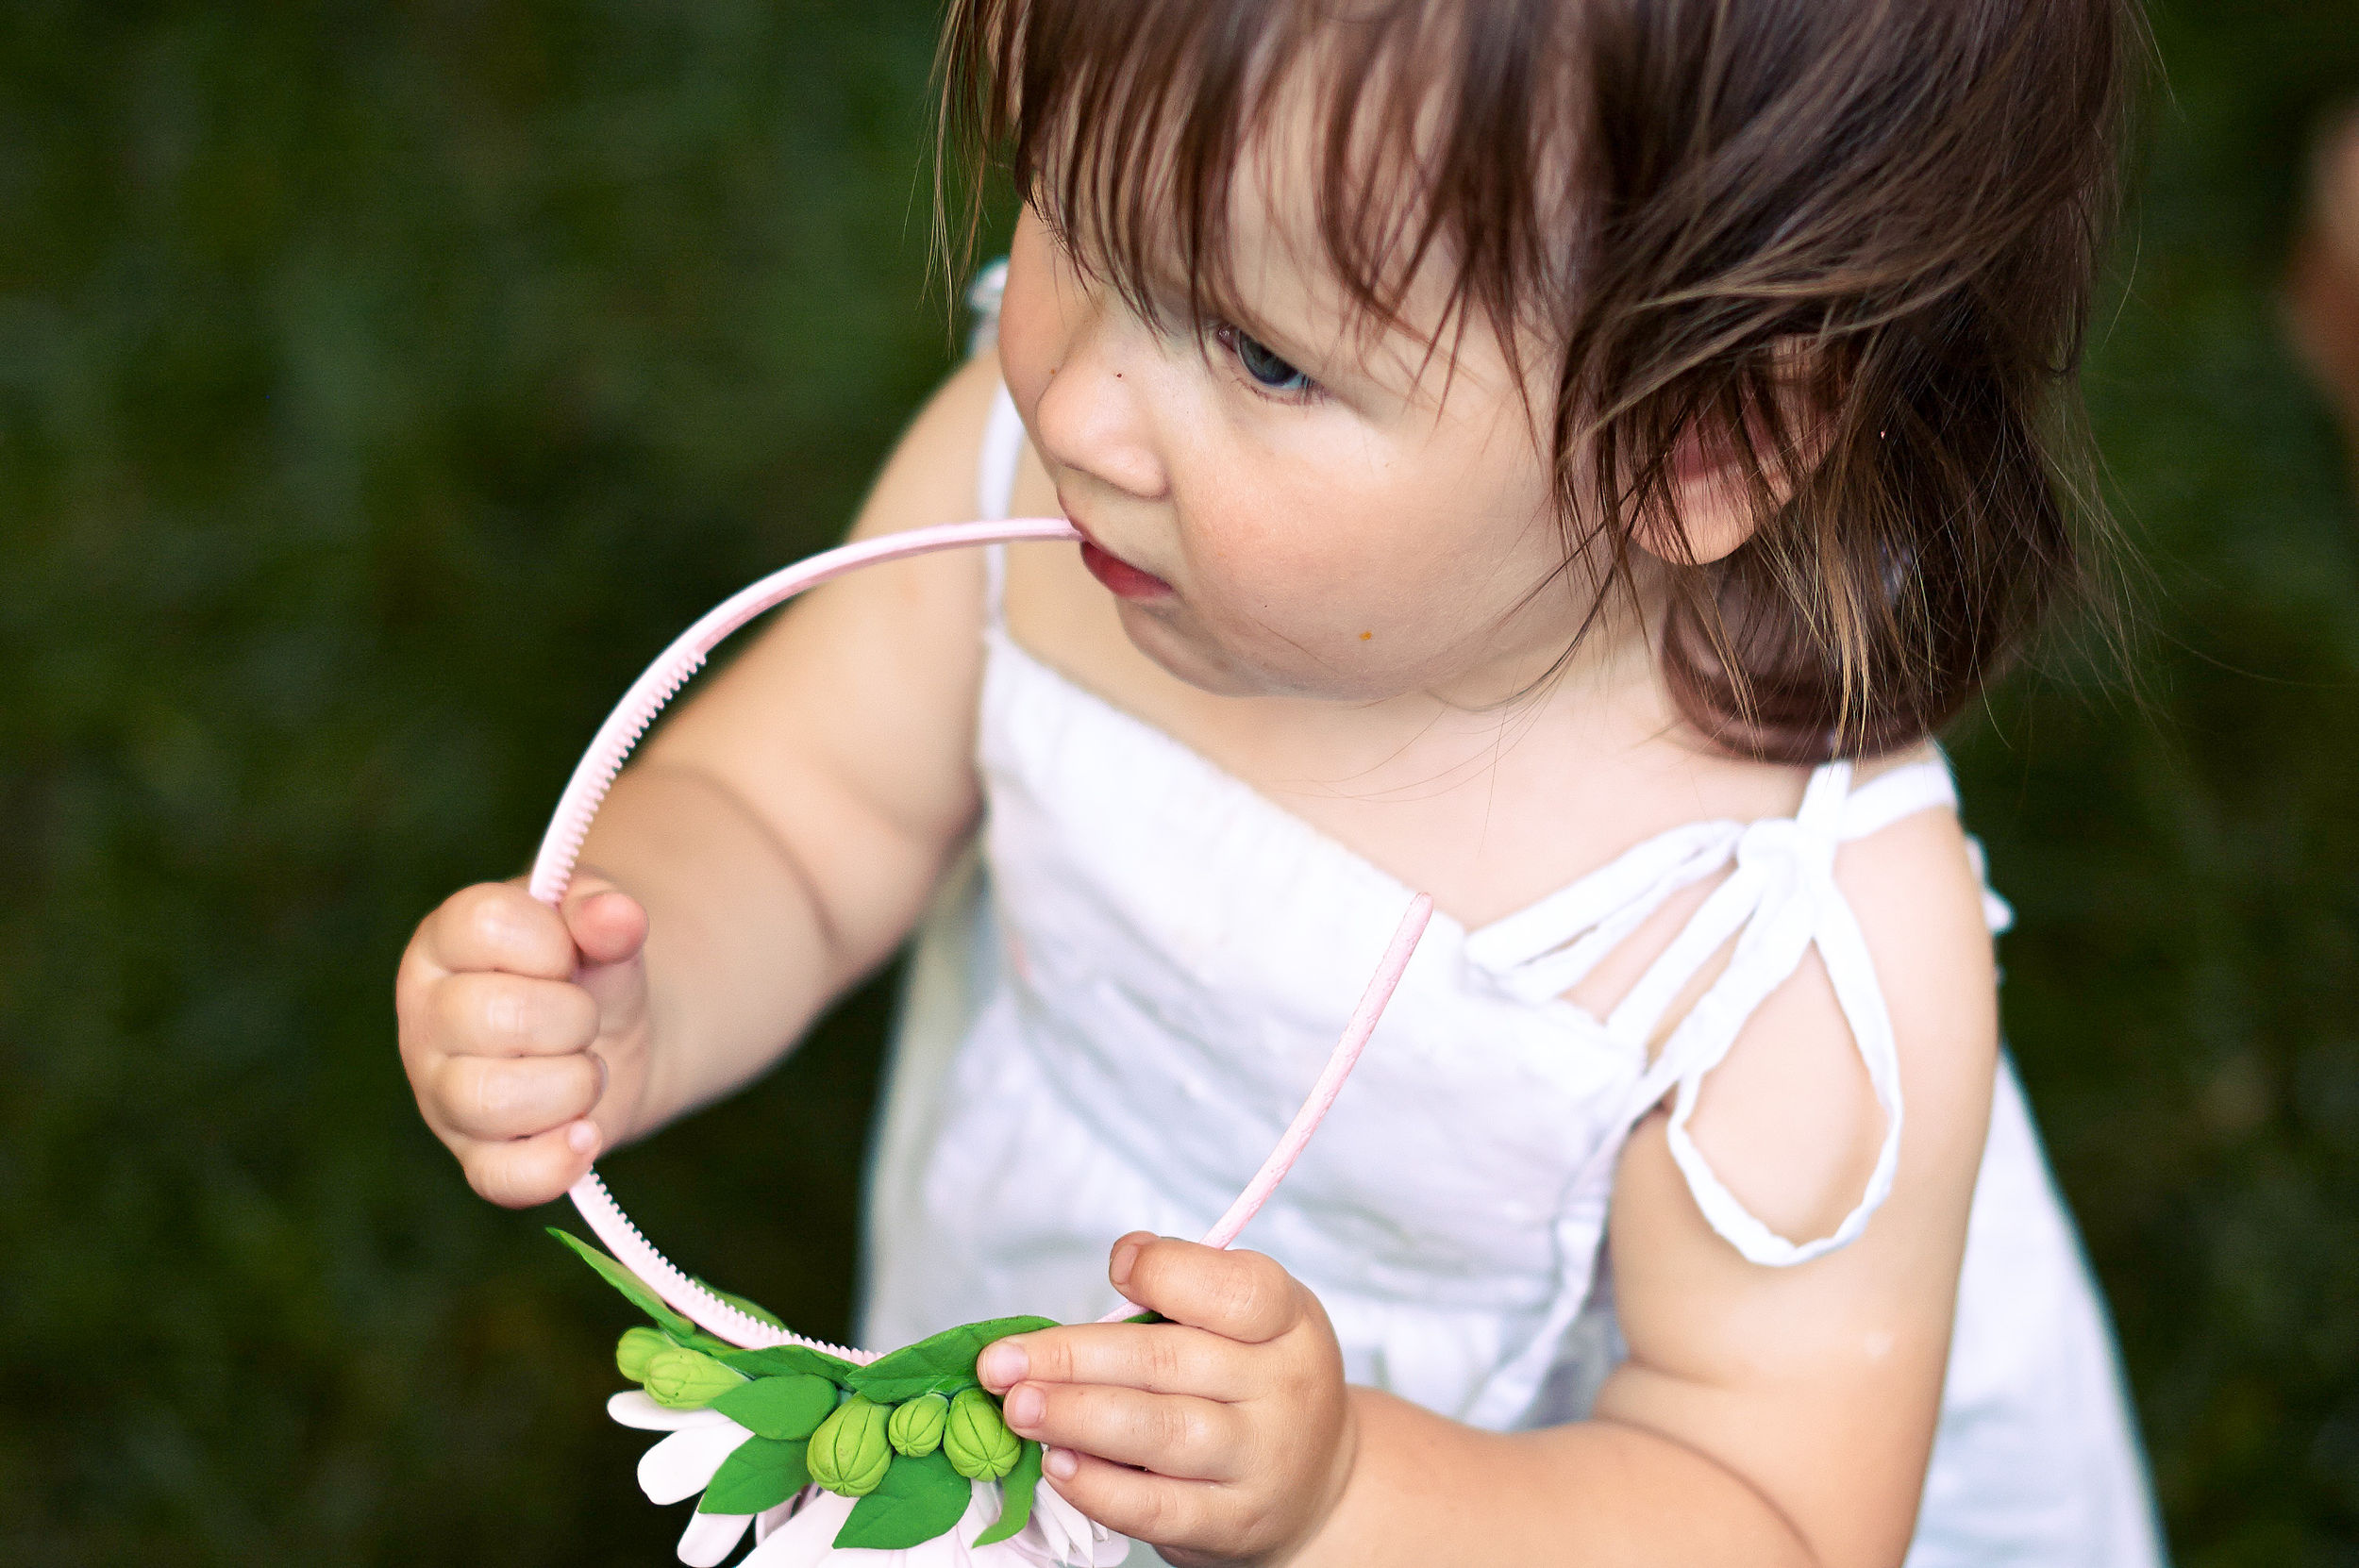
<point x="1795" y="1376"/>
<point x="1916" y="888"/>
<point x="1917" y="891"/>
<point x="1789" y="1121"/>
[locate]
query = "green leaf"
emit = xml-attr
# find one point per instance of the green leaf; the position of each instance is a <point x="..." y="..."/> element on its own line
<point x="944" y="1364"/>
<point x="751" y="1309"/>
<point x="632" y="1287"/>
<point x="778" y="1361"/>
<point x="791" y="1406"/>
<point x="1016" y="1511"/>
<point x="918" y="1500"/>
<point x="900" y="1390"/>
<point x="761" y="1473"/>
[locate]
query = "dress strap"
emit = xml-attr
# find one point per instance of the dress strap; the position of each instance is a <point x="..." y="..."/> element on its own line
<point x="1901" y="793"/>
<point x="983" y="303"/>
<point x="1801" y="909"/>
<point x="1550" y="947"/>
<point x="994" y="484"/>
<point x="1003" y="436"/>
<point x="1904" y="792"/>
<point x="1734" y="904"/>
<point x="1777" y="901"/>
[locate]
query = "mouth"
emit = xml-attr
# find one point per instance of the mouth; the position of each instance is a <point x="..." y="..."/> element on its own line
<point x="1118" y="576"/>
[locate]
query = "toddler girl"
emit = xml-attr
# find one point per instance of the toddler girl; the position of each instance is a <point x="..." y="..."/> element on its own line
<point x="1568" y="455"/>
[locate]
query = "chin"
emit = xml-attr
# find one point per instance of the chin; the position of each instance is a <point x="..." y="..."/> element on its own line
<point x="1222" y="673"/>
<point x="1186" y="659"/>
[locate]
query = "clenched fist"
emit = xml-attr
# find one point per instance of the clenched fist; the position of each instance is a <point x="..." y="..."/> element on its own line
<point x="524" y="1030"/>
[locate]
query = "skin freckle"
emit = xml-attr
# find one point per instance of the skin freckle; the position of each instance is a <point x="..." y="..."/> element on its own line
<point x="1365" y="635"/>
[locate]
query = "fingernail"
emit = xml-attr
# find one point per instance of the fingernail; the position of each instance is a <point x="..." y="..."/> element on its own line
<point x="1002" y="1364"/>
<point x="1061" y="1463"/>
<point x="1026" y="1405"/>
<point x="1125" y="1254"/>
<point x="582" y="1138"/>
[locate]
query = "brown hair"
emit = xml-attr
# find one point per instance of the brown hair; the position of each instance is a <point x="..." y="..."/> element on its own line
<point x="1849" y="244"/>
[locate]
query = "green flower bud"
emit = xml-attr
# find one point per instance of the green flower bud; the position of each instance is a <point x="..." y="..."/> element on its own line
<point x="638" y="1348"/>
<point x="977" y="1440"/>
<point x="916" y="1428"/>
<point x="688" y="1379"/>
<point x="849" y="1453"/>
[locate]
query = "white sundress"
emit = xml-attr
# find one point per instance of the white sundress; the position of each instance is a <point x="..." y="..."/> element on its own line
<point x="1115" y="1008"/>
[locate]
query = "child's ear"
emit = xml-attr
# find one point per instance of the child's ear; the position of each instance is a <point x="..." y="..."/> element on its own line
<point x="1709" y="479"/>
<point x="1714" y="512"/>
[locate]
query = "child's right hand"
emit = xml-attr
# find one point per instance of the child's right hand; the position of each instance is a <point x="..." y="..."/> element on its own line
<point x="524" y="1030"/>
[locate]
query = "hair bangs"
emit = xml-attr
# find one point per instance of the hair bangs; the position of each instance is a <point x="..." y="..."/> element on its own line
<point x="1129" y="128"/>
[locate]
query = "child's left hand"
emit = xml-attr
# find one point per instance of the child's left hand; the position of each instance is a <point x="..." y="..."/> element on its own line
<point x="1224" y="1435"/>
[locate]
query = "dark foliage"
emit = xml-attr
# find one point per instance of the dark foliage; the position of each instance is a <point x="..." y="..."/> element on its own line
<point x="381" y="385"/>
<point x="2182" y="989"/>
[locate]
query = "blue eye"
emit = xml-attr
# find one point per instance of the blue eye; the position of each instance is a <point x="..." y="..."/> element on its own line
<point x="1266" y="368"/>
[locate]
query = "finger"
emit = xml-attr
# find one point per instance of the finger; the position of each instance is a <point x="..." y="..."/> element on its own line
<point x="1146" y="1507"/>
<point x="1239" y="1296"/>
<point x="607" y="924"/>
<point x="1167" y="1358"/>
<point x="518" y="1172"/>
<point x="486" y="1013"/>
<point x="1171" y="1434"/>
<point x="510" y="1097"/>
<point x="494" y="926"/>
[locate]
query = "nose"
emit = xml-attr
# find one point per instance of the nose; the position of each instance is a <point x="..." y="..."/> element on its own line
<point x="1094" y="414"/>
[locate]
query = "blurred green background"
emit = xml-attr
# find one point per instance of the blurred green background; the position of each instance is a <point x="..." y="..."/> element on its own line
<point x="381" y="385"/>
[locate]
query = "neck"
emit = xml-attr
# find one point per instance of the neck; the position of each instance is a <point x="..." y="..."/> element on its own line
<point x="1594" y="690"/>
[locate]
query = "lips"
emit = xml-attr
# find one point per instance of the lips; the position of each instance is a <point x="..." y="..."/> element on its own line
<point x="1118" y="576"/>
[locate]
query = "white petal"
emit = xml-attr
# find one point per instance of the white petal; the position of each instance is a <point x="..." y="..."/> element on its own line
<point x="806" y="1539"/>
<point x="944" y="1551"/>
<point x="634" y="1408"/>
<point x="1114" y="1547"/>
<point x="1024" y="1549"/>
<point x="711" y="1537"/>
<point x="682" y="1464"/>
<point x="1071" y="1536"/>
<point x="1018" y="1551"/>
<point x="1021" y="1550"/>
<point x="1062" y="1528"/>
<point x="770" y="1519"/>
<point x="983" y="1511"/>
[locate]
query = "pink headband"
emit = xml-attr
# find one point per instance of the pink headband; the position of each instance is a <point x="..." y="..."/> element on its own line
<point x="553" y="869"/>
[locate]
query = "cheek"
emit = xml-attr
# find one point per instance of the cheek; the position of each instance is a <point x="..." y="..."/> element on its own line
<point x="1274" y="551"/>
<point x="1364" y="571"/>
<point x="1318" y="586"/>
<point x="1377" y="543"/>
<point x="1033" y="329"/>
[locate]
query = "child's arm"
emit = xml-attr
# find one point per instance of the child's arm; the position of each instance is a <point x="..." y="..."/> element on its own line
<point x="1766" y="1416"/>
<point x="775" y="842"/>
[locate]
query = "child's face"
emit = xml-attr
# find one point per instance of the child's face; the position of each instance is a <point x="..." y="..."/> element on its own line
<point x="1291" y="506"/>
